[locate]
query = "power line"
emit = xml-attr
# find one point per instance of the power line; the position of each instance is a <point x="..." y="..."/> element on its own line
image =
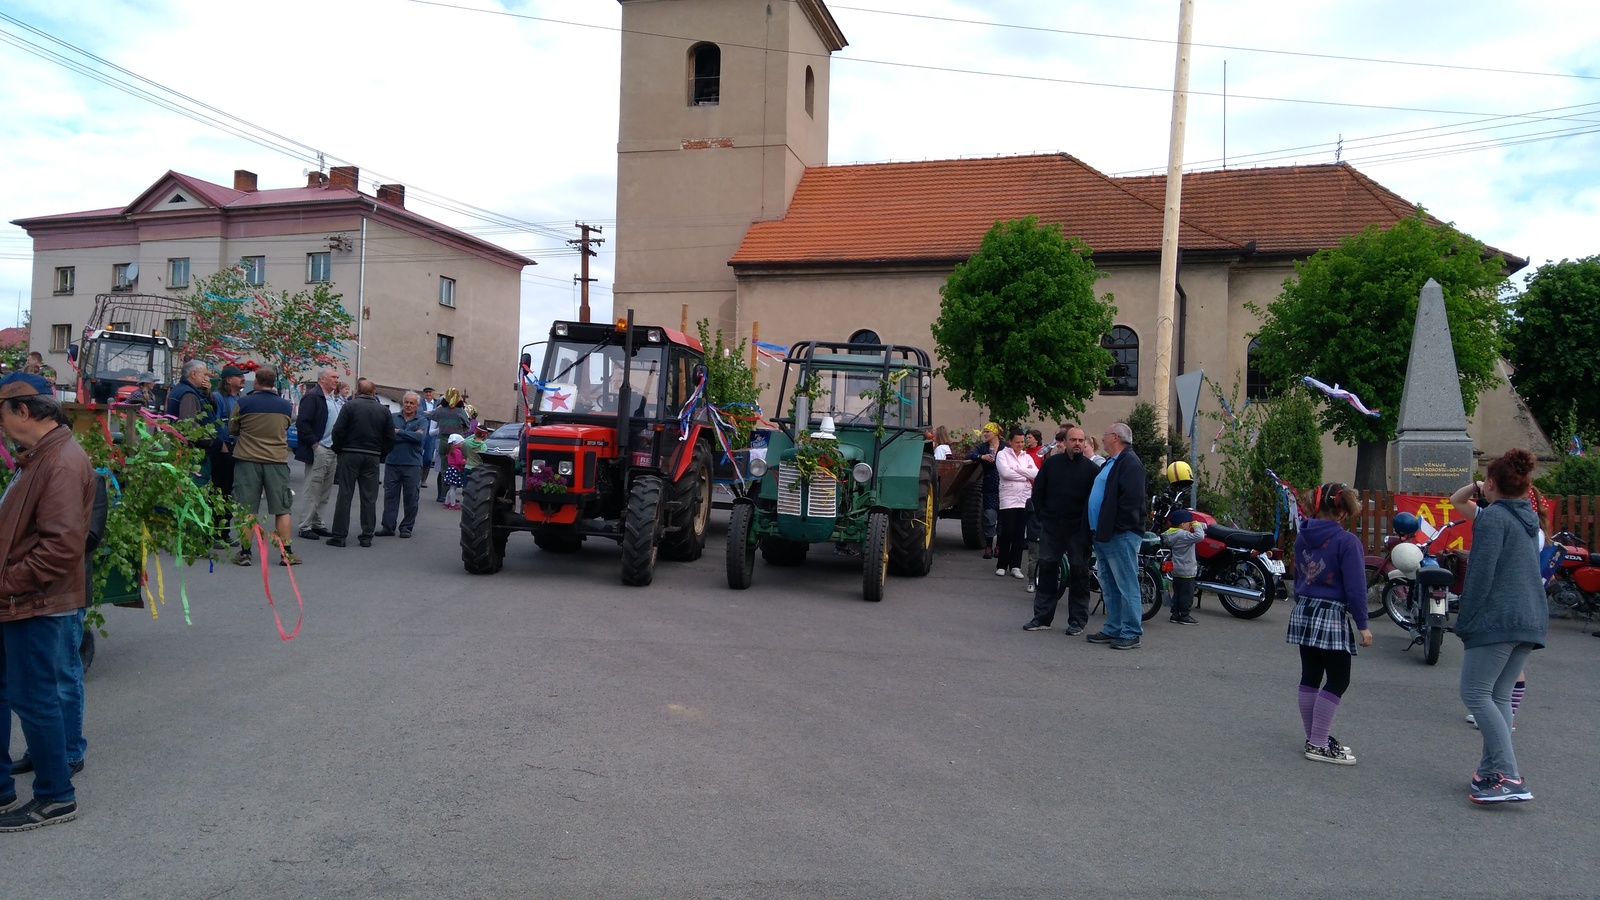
<point x="1126" y="37"/>
<point x="922" y="67"/>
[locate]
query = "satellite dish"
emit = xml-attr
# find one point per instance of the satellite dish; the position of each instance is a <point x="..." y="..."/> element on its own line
<point x="133" y="271"/>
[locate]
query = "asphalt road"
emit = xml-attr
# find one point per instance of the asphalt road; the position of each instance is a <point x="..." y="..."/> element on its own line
<point x="545" y="732"/>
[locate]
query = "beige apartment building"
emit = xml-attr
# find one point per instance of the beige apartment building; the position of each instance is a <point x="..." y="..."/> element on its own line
<point x="727" y="208"/>
<point x="433" y="306"/>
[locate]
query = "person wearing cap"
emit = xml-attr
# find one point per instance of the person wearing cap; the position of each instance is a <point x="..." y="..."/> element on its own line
<point x="220" y="453"/>
<point x="260" y="426"/>
<point x="362" y="436"/>
<point x="1182" y="537"/>
<point x="145" y="393"/>
<point x="44" y="531"/>
<point x="428" y="404"/>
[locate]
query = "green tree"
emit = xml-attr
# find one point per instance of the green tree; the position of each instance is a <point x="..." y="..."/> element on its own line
<point x="1573" y="475"/>
<point x="1290" y="444"/>
<point x="730" y="384"/>
<point x="1551" y="341"/>
<point x="1347" y="317"/>
<point x="229" y="319"/>
<point x="1019" y="325"/>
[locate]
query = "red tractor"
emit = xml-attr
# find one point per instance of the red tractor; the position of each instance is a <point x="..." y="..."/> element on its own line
<point x="605" y="452"/>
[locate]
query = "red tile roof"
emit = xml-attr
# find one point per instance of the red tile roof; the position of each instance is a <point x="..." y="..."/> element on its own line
<point x="937" y="211"/>
<point x="12" y="336"/>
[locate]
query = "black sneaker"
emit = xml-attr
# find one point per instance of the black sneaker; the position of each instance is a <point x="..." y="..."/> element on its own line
<point x="1125" y="644"/>
<point x="336" y="542"/>
<point x="1074" y="630"/>
<point x="306" y="534"/>
<point x="364" y="541"/>
<point x="11" y="804"/>
<point x="405" y="532"/>
<point x="38" y="813"/>
<point x="1327" y="754"/>
<point x="322" y="532"/>
<point x="1035" y="626"/>
<point x="24" y="764"/>
<point x="1100" y="637"/>
<point x="383" y="532"/>
<point x="1184" y="619"/>
<point x="1500" y="790"/>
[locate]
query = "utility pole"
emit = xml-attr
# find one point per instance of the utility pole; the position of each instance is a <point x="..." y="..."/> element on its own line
<point x="1166" y="292"/>
<point x="584" y="252"/>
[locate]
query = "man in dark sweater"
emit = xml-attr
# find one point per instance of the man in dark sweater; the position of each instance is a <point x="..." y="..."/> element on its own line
<point x="362" y="436"/>
<point x="1116" y="513"/>
<point x="1061" y="497"/>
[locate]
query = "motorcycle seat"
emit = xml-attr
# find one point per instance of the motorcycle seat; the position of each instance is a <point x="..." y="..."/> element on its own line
<point x="1594" y="559"/>
<point x="1435" y="576"/>
<point x="1245" y="540"/>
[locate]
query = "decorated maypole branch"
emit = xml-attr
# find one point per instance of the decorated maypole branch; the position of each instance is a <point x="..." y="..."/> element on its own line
<point x="233" y="321"/>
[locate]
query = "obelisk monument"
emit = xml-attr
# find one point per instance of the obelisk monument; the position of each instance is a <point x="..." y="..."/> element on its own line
<point x="1431" y="453"/>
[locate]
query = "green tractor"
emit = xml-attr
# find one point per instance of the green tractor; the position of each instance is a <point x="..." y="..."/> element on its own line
<point x="851" y="465"/>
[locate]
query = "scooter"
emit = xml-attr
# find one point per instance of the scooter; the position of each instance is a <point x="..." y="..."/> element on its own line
<point x="1421" y="593"/>
<point x="1242" y="568"/>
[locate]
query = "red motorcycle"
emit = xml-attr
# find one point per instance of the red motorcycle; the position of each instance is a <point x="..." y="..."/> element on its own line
<point x="1241" y="567"/>
<point x="1576" y="581"/>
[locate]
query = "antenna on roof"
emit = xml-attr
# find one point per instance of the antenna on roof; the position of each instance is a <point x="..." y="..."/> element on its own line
<point x="1338" y="150"/>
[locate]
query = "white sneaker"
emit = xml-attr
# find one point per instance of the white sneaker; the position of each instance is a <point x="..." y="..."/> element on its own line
<point x="1017" y="573"/>
<point x="1030" y="587"/>
<point x="1000" y="571"/>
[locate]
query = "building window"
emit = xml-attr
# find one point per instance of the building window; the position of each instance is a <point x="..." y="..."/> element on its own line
<point x="319" y="268"/>
<point x="865" y="336"/>
<point x="1255" y="385"/>
<point x="705" y="75"/>
<point x="447" y="292"/>
<point x="255" y="270"/>
<point x="445" y="349"/>
<point x="66" y="279"/>
<point x="811" y="93"/>
<point x="1124" y="370"/>
<point x="60" y="337"/>
<point x="178" y="272"/>
<point x="177" y="331"/>
<point x="124" y="276"/>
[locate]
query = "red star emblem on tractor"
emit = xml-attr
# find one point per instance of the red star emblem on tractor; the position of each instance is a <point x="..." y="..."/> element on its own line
<point x="558" y="401"/>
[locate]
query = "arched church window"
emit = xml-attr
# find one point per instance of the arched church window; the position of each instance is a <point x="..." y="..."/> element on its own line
<point x="705" y="75"/>
<point x="811" y="92"/>
<point x="1255" y="384"/>
<point x="865" y="336"/>
<point x="1124" y="371"/>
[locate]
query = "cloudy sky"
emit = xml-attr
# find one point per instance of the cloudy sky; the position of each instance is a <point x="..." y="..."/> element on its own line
<point x="1486" y="113"/>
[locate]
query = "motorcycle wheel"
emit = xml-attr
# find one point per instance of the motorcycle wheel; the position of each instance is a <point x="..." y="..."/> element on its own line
<point x="1432" y="643"/>
<point x="1149" y="593"/>
<point x="1251" y="575"/>
<point x="1400" y="603"/>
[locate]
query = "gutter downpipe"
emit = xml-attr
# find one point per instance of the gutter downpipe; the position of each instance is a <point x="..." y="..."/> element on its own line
<point x="361" y="291"/>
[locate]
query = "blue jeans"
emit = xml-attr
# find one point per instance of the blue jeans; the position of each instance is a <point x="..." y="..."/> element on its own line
<point x="400" y="486"/>
<point x="1118" y="561"/>
<point x="35" y="669"/>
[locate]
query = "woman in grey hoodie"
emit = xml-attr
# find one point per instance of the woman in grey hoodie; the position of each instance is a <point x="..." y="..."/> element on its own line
<point x="1504" y="617"/>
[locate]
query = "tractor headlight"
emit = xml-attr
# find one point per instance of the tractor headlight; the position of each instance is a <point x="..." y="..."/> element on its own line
<point x="564" y="467"/>
<point x="653" y="335"/>
<point x="862" y="472"/>
<point x="560" y="329"/>
<point x="535" y="465"/>
<point x="758" y="467"/>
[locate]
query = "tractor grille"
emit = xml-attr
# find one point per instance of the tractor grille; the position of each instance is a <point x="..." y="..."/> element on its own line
<point x="823" y="495"/>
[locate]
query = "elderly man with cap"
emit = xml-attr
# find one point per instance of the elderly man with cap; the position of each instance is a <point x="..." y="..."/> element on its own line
<point x="44" y="530"/>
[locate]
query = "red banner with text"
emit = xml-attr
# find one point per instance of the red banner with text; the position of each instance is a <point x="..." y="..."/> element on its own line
<point x="1445" y="524"/>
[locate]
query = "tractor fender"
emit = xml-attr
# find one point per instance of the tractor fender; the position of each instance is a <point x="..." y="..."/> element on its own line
<point x="685" y="451"/>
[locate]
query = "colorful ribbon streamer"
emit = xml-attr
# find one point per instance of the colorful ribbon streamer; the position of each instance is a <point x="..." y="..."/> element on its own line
<point x="261" y="554"/>
<point x="1338" y="393"/>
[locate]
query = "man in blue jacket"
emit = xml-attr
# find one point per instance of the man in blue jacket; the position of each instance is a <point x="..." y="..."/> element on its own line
<point x="1116" y="512"/>
<point x="402" y="468"/>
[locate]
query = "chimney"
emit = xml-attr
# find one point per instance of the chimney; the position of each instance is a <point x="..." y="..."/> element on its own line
<point x="315" y="179"/>
<point x="344" y="176"/>
<point x="244" y="181"/>
<point x="393" y="194"/>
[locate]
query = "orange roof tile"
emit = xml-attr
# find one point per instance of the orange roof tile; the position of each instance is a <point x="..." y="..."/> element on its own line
<point x="941" y="210"/>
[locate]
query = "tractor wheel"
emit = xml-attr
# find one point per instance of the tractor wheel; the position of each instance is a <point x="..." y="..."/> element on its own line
<point x="481" y="552"/>
<point x="553" y="541"/>
<point x="911" y="550"/>
<point x="693" y="491"/>
<point x="779" y="552"/>
<point x="641" y="522"/>
<point x="972" y="514"/>
<point x="741" y="549"/>
<point x="875" y="557"/>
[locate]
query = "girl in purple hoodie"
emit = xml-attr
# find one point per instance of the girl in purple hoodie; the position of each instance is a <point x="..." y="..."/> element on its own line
<point x="1330" y="589"/>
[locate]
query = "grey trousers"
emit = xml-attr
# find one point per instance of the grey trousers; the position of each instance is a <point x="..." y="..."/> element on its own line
<point x="1488" y="674"/>
<point x="318" y="486"/>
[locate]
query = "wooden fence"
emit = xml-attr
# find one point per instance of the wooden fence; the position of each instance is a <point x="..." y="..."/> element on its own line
<point x="1577" y="514"/>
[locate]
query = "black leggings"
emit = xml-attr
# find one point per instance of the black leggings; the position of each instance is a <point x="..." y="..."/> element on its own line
<point x="1013" y="537"/>
<point x="1316" y="662"/>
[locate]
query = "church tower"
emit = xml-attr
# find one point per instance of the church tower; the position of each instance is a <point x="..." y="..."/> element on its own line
<point x="724" y="105"/>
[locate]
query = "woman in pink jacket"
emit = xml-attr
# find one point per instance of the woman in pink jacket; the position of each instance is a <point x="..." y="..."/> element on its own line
<point x="1017" y="471"/>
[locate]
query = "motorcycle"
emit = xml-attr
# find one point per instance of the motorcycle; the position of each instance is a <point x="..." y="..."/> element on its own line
<point x="1422" y="590"/>
<point x="1242" y="568"/>
<point x="1575" y="583"/>
<point x="1154" y="562"/>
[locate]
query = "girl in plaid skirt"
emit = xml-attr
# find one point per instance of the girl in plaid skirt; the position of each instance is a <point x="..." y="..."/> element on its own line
<point x="1330" y="588"/>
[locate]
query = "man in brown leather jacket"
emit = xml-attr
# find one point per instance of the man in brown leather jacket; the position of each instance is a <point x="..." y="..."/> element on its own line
<point x="44" y="527"/>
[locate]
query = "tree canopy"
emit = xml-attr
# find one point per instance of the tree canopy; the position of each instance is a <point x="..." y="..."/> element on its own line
<point x="233" y="320"/>
<point x="1019" y="324"/>
<point x="1347" y="315"/>
<point x="1552" y="341"/>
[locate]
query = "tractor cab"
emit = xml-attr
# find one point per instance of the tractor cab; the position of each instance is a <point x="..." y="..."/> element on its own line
<point x="109" y="363"/>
